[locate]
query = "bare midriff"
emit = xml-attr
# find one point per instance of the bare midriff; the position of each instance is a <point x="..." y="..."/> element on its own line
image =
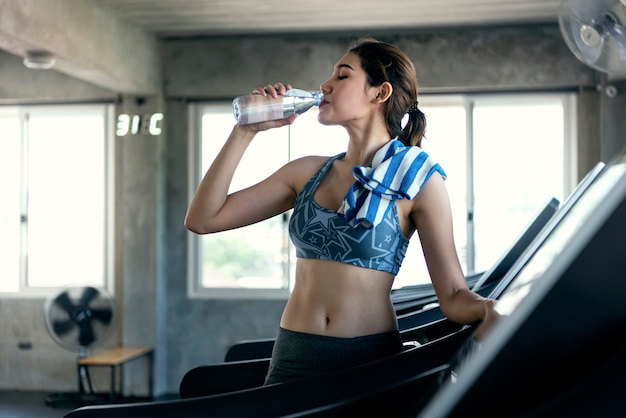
<point x="340" y="300"/>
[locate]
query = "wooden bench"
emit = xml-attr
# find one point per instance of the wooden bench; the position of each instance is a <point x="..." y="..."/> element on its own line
<point x="116" y="358"/>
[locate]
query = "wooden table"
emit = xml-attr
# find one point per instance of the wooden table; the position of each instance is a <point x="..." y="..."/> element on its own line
<point x="116" y="358"/>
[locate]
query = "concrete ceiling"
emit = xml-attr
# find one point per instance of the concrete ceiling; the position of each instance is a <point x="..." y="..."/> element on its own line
<point x="242" y="17"/>
<point x="114" y="43"/>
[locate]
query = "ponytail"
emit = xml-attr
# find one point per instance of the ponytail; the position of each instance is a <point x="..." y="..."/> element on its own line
<point x="415" y="128"/>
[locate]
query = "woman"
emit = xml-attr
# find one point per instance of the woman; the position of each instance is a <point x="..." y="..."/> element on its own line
<point x="350" y="236"/>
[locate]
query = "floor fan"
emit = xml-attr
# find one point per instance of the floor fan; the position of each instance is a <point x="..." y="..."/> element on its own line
<point x="79" y="319"/>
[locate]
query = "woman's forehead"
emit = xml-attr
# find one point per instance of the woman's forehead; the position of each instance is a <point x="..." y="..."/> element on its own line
<point x="350" y="60"/>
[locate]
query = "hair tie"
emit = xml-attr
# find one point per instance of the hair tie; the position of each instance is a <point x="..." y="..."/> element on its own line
<point x="413" y="108"/>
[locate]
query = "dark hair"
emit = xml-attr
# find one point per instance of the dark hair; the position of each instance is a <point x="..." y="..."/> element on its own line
<point x="384" y="62"/>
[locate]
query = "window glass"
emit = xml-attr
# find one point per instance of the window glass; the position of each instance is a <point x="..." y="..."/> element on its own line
<point x="66" y="206"/>
<point x="53" y="213"/>
<point x="518" y="165"/>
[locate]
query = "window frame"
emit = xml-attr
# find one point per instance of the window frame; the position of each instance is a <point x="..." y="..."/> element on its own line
<point x="22" y="112"/>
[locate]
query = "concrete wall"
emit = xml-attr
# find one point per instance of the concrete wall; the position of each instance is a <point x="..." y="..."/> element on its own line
<point x="43" y="366"/>
<point x="152" y="188"/>
<point x="496" y="59"/>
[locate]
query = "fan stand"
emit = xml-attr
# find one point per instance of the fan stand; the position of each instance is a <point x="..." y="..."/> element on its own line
<point x="82" y="397"/>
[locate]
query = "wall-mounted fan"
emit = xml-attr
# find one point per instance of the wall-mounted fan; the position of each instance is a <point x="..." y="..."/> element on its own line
<point x="79" y="319"/>
<point x="595" y="32"/>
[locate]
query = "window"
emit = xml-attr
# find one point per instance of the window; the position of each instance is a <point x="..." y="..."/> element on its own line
<point x="519" y="162"/>
<point x="504" y="155"/>
<point x="55" y="187"/>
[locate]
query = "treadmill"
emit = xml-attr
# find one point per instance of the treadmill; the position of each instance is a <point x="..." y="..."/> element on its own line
<point x="560" y="349"/>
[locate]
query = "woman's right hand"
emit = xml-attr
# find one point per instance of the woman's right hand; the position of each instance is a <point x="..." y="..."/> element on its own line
<point x="273" y="90"/>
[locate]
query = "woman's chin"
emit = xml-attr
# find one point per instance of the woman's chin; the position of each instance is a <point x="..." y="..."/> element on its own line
<point x="324" y="120"/>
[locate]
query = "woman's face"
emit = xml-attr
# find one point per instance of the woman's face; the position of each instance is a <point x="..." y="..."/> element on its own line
<point x="347" y="95"/>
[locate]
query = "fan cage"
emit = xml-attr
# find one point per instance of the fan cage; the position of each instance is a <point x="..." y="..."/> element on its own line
<point x="604" y="23"/>
<point x="69" y="319"/>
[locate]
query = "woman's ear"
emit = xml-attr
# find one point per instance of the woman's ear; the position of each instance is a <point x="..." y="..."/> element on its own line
<point x="384" y="92"/>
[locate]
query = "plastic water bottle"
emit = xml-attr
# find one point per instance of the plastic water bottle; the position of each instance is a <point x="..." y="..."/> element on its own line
<point x="256" y="108"/>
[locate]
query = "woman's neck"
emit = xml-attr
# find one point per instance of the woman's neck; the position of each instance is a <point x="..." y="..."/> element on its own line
<point x="361" y="150"/>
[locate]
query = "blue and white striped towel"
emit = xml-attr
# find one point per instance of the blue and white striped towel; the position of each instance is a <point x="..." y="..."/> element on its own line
<point x="396" y="172"/>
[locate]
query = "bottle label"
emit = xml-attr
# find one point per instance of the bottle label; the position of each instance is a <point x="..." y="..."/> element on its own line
<point x="261" y="108"/>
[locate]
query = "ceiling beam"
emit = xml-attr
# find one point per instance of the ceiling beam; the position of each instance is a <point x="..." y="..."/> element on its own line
<point x="88" y="43"/>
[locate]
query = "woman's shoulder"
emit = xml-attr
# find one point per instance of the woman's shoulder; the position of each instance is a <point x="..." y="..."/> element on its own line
<point x="315" y="159"/>
<point x="308" y="163"/>
<point x="302" y="169"/>
<point x="432" y="196"/>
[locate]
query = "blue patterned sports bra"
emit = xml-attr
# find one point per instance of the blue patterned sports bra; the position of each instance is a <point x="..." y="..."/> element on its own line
<point x="321" y="233"/>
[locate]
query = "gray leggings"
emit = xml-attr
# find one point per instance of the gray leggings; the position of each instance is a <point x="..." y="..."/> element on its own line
<point x="299" y="355"/>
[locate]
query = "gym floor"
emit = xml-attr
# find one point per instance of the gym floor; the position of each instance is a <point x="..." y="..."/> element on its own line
<point x="18" y="404"/>
<point x="29" y="405"/>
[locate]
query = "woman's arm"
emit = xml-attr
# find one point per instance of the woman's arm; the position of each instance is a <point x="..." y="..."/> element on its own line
<point x="212" y="209"/>
<point x="432" y="217"/>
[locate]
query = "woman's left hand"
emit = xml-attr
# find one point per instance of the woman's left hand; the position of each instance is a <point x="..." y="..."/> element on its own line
<point x="492" y="317"/>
